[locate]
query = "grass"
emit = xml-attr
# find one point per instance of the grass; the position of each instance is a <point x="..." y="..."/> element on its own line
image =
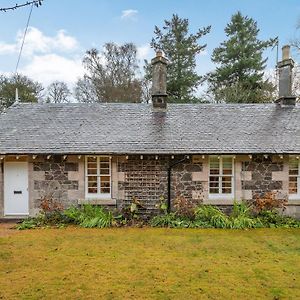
<point x="150" y="263"/>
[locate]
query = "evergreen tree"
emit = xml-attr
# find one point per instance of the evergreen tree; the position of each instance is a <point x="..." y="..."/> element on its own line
<point x="239" y="76"/>
<point x="180" y="48"/>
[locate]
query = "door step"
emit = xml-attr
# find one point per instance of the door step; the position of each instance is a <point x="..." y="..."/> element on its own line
<point x="12" y="219"/>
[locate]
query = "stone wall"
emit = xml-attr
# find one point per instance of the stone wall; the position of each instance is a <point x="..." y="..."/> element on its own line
<point x="261" y="179"/>
<point x="146" y="179"/>
<point x="62" y="180"/>
<point x="183" y="183"/>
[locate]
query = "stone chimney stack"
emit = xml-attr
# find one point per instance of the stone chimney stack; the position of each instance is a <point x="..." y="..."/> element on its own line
<point x="285" y="68"/>
<point x="159" y="81"/>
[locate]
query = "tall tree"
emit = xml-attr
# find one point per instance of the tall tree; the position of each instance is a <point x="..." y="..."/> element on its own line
<point x="181" y="48"/>
<point x="112" y="74"/>
<point x="28" y="90"/>
<point x="296" y="40"/>
<point x="85" y="91"/>
<point x="239" y="76"/>
<point x="58" y="92"/>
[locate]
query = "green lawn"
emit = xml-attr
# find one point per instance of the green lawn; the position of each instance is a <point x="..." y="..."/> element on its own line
<point x="129" y="263"/>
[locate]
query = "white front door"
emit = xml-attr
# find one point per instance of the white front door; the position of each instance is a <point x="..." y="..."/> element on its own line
<point x="16" y="188"/>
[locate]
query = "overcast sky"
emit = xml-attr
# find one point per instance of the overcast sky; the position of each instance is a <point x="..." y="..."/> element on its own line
<point x="62" y="30"/>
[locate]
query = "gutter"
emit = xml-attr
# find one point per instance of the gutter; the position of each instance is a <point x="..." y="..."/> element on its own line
<point x="171" y="166"/>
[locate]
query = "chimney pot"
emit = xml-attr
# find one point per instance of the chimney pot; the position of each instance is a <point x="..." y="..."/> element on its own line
<point x="159" y="53"/>
<point x="286" y="52"/>
<point x="285" y="68"/>
<point x="159" y="81"/>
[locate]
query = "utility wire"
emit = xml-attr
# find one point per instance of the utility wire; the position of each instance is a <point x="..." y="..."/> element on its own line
<point x="24" y="36"/>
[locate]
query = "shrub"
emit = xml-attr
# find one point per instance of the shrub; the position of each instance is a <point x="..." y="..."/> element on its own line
<point x="90" y="216"/>
<point x="162" y="205"/>
<point x="212" y="216"/>
<point x="242" y="222"/>
<point x="240" y="209"/>
<point x="165" y="220"/>
<point x="268" y="202"/>
<point x="272" y="218"/>
<point x="184" y="207"/>
<point x="48" y="204"/>
<point x="29" y="223"/>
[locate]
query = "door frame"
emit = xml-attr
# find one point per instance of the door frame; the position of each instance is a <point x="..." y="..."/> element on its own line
<point x="5" y="191"/>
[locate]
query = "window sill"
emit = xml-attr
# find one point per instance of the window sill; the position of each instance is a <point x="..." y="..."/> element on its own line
<point x="294" y="201"/>
<point x="220" y="200"/>
<point x="97" y="201"/>
<point x="215" y="201"/>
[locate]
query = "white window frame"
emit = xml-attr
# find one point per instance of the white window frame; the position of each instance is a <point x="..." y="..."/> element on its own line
<point x="220" y="195"/>
<point x="295" y="196"/>
<point x="98" y="195"/>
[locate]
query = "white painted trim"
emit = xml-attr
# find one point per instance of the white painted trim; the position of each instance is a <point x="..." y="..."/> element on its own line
<point x="98" y="195"/>
<point x="97" y="201"/>
<point x="220" y="195"/>
<point x="295" y="196"/>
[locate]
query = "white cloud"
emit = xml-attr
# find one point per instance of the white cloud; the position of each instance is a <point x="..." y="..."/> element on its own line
<point x="37" y="42"/>
<point x="129" y="14"/>
<point x="50" y="67"/>
<point x="144" y="52"/>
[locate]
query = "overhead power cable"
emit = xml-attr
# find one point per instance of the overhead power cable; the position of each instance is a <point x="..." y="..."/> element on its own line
<point x="24" y="36"/>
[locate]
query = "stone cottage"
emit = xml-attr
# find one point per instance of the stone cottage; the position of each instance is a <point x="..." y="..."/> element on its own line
<point x="107" y="154"/>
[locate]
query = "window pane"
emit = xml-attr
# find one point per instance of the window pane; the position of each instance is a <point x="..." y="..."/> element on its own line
<point x="104" y="171"/>
<point x="92" y="184"/>
<point x="96" y="168"/>
<point x="92" y="171"/>
<point x="293" y="167"/>
<point x="105" y="181"/>
<point x="104" y="159"/>
<point x="227" y="165"/>
<point x="226" y="190"/>
<point x="105" y="190"/>
<point x="214" y="165"/>
<point x="92" y="190"/>
<point x="293" y="185"/>
<point x="92" y="159"/>
<point x="294" y="173"/>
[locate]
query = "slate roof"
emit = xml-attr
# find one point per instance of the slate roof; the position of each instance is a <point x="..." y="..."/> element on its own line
<point x="136" y="128"/>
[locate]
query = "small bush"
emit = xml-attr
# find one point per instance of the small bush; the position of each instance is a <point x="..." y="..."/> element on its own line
<point x="90" y="216"/>
<point x="48" y="204"/>
<point x="268" y="202"/>
<point x="272" y="218"/>
<point x="184" y="207"/>
<point x="165" y="220"/>
<point x="29" y="223"/>
<point x="212" y="215"/>
<point x="240" y="209"/>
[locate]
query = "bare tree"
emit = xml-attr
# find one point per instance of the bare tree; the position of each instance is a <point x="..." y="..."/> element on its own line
<point x="58" y="92"/>
<point x="273" y="77"/>
<point x="84" y="91"/>
<point x="296" y="41"/>
<point x="112" y="75"/>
